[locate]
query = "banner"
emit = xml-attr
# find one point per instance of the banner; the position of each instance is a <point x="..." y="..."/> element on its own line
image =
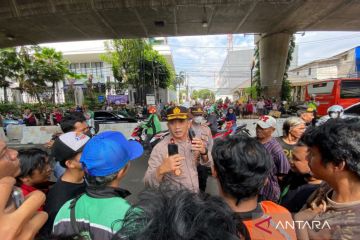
<point x="117" y="99"/>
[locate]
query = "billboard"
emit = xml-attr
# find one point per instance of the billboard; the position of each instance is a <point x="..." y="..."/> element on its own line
<point x="117" y="99"/>
<point x="357" y="60"/>
<point x="150" y="99"/>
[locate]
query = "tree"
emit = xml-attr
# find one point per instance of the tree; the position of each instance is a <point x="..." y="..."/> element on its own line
<point x="135" y="62"/>
<point x="286" y="86"/>
<point x="157" y="67"/>
<point x="182" y="95"/>
<point x="256" y="83"/>
<point x="125" y="57"/>
<point x="203" y="94"/>
<point x="54" y="68"/>
<point x="70" y="92"/>
<point x="252" y="92"/>
<point x="31" y="76"/>
<point x="33" y="67"/>
<point x="9" y="66"/>
<point x="178" y="81"/>
<point x="90" y="87"/>
<point x="195" y="95"/>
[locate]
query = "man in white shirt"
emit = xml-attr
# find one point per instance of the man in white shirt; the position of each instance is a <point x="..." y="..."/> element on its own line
<point x="260" y="106"/>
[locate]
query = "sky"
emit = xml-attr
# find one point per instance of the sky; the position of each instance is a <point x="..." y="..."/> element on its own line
<point x="201" y="57"/>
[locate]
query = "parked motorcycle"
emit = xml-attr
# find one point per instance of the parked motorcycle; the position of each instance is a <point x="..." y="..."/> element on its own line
<point x="229" y="130"/>
<point x="158" y="137"/>
<point x="220" y="122"/>
<point x="139" y="135"/>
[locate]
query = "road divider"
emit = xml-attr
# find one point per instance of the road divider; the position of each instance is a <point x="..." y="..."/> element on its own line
<point x="42" y="134"/>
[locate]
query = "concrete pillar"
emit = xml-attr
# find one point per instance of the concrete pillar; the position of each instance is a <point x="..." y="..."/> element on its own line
<point x="273" y="51"/>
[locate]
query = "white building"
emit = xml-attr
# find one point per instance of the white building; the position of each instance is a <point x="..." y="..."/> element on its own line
<point x="341" y="65"/>
<point x="236" y="70"/>
<point x="14" y="94"/>
<point x="89" y="62"/>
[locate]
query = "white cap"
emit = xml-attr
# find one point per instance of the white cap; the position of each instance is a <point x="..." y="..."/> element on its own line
<point x="266" y="121"/>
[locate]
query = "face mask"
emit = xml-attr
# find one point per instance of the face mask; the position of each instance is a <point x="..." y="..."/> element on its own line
<point x="198" y="119"/>
<point x="334" y="115"/>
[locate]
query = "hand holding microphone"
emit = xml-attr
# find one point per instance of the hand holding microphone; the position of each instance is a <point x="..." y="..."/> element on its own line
<point x="174" y="160"/>
<point x="198" y="145"/>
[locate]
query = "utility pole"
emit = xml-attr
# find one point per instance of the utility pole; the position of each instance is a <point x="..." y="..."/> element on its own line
<point x="229" y="42"/>
<point x="251" y="79"/>
<point x="187" y="87"/>
<point x="153" y="73"/>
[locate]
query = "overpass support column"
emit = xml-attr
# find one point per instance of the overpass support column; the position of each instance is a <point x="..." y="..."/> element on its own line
<point x="273" y="52"/>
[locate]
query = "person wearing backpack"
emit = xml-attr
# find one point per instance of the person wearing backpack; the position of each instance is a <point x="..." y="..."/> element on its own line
<point x="95" y="214"/>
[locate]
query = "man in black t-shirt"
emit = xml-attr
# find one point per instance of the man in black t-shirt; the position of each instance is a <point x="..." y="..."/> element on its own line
<point x="212" y="122"/>
<point x="287" y="148"/>
<point x="67" y="151"/>
<point x="299" y="184"/>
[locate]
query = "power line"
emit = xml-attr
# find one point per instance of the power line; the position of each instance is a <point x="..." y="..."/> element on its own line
<point x="221" y="47"/>
<point x="356" y="35"/>
<point x="247" y="48"/>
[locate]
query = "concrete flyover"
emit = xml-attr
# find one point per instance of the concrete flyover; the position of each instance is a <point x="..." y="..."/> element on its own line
<point x="39" y="21"/>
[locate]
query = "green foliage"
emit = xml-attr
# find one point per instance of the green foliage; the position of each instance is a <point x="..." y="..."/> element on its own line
<point x="8" y="107"/>
<point x="9" y="66"/>
<point x="33" y="67"/>
<point x="18" y="109"/>
<point x="256" y="77"/>
<point x="286" y="86"/>
<point x="51" y="65"/>
<point x="178" y="81"/>
<point x="252" y="92"/>
<point x="182" y="94"/>
<point x="134" y="62"/>
<point x="286" y="90"/>
<point x="157" y="68"/>
<point x="203" y="94"/>
<point x="125" y="56"/>
<point x="70" y="93"/>
<point x="31" y="74"/>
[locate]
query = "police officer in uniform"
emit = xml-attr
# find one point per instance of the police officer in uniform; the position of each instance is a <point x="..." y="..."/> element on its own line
<point x="202" y="131"/>
<point x="179" y="170"/>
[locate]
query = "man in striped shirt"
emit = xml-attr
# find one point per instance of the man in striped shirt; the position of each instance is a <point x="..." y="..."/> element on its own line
<point x="265" y="127"/>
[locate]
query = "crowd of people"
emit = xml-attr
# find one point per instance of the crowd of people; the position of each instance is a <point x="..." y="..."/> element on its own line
<point x="251" y="108"/>
<point x="45" y="116"/>
<point x="304" y="184"/>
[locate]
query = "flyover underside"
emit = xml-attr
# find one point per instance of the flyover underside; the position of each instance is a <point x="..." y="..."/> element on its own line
<point x="273" y="51"/>
<point x="38" y="21"/>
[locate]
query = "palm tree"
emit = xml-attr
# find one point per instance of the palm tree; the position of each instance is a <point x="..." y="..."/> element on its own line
<point x="179" y="80"/>
<point x="54" y="67"/>
<point x="237" y="93"/>
<point x="9" y="66"/>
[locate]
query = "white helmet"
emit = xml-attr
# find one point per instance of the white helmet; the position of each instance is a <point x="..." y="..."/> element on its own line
<point x="335" y="111"/>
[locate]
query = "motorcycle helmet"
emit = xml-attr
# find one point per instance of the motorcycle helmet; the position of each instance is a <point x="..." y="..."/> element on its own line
<point x="152" y="109"/>
<point x="335" y="111"/>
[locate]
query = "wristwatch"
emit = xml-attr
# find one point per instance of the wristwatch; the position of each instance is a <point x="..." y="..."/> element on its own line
<point x="206" y="152"/>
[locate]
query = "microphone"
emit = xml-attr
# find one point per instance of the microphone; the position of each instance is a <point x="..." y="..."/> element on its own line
<point x="172" y="150"/>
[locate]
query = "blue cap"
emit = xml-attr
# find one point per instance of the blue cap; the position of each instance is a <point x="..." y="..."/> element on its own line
<point x="108" y="152"/>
